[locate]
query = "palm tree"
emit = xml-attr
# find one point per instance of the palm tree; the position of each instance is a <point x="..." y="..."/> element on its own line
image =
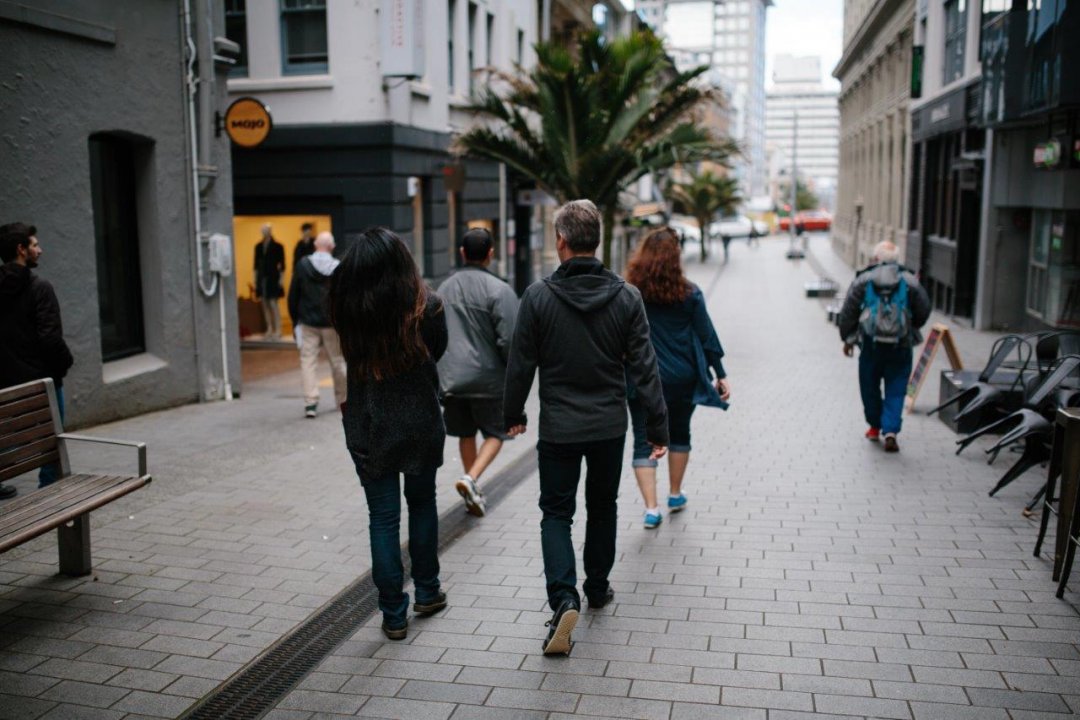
<point x="703" y="196"/>
<point x="588" y="124"/>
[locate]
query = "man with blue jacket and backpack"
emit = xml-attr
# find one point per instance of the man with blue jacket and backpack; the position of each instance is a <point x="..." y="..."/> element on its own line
<point x="882" y="313"/>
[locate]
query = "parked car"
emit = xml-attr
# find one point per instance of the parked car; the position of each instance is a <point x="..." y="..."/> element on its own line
<point x="814" y="220"/>
<point x="686" y="230"/>
<point x="738" y="226"/>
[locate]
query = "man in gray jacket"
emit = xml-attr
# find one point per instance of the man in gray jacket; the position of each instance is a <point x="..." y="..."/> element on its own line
<point x="586" y="331"/>
<point x="480" y="313"/>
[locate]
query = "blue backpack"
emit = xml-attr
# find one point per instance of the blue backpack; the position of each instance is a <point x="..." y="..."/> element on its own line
<point x="886" y="317"/>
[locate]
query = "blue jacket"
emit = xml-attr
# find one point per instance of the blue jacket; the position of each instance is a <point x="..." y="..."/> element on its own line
<point x="687" y="347"/>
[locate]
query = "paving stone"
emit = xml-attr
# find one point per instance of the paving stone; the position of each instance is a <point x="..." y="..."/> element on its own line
<point x="138" y="701"/>
<point x="867" y="707"/>
<point x="192" y="687"/>
<point x="1019" y="700"/>
<point x="638" y="709"/>
<point x="324" y="702"/>
<point x="21" y="707"/>
<point x="148" y="680"/>
<point x="771" y="699"/>
<point x="473" y="712"/>
<point x="82" y="712"/>
<point x="76" y="670"/>
<point x="937" y="711"/>
<point x="444" y="692"/>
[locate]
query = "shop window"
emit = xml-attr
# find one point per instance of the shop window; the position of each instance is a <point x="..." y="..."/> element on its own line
<point x="451" y="11"/>
<point x="1053" y="291"/>
<point x="303" y="36"/>
<point x="114" y="183"/>
<point x="955" y="38"/>
<point x="520" y="47"/>
<point x="489" y="45"/>
<point x="471" y="79"/>
<point x="236" y="30"/>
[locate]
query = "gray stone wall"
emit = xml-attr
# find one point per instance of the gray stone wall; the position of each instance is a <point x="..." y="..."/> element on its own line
<point x="71" y="70"/>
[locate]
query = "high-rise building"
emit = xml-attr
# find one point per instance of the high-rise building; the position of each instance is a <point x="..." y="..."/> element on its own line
<point x="729" y="36"/>
<point x="797" y="90"/>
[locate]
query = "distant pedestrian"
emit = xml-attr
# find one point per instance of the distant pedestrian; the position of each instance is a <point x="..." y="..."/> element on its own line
<point x="31" y="334"/>
<point x="587" y="332"/>
<point x="309" y="312"/>
<point x="687" y="348"/>
<point x="393" y="331"/>
<point x="480" y="314"/>
<point x="269" y="266"/>
<point x="305" y="245"/>
<point x="882" y="313"/>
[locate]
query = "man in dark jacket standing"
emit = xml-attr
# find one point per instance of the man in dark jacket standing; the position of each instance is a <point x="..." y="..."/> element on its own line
<point x="586" y="331"/>
<point x="308" y="310"/>
<point x="886" y="346"/>
<point x="480" y="314"/>
<point x="33" y="344"/>
<point x="269" y="265"/>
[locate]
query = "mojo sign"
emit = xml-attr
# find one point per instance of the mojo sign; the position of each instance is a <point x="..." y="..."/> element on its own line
<point x="248" y="123"/>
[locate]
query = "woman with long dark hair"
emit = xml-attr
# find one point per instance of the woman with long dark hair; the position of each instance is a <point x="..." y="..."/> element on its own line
<point x="687" y="348"/>
<point x="393" y="331"/>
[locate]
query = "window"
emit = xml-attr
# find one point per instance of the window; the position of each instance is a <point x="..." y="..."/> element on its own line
<point x="236" y="30"/>
<point x="955" y="33"/>
<point x="521" y="47"/>
<point x="113" y="190"/>
<point x="451" y="11"/>
<point x="303" y="36"/>
<point x="1053" y="289"/>
<point x="471" y="39"/>
<point x="489" y="45"/>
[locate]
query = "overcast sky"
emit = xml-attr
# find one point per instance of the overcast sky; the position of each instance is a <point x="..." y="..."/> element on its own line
<point x="805" y="27"/>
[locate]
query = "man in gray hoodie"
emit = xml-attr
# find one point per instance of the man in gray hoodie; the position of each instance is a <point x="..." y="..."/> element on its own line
<point x="480" y="313"/>
<point x="311" y="322"/>
<point x="586" y="331"/>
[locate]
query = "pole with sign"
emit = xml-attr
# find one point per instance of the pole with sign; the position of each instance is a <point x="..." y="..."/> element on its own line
<point x="248" y="122"/>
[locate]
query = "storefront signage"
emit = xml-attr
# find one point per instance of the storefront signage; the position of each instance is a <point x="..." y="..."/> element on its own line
<point x="248" y="122"/>
<point x="1048" y="154"/>
<point x="401" y="34"/>
<point x="946" y="114"/>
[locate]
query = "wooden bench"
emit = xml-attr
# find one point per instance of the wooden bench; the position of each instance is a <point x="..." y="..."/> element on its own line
<point x="31" y="436"/>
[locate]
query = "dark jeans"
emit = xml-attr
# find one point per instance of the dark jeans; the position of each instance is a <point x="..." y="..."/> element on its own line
<point x="48" y="474"/>
<point x="384" y="509"/>
<point x="560" y="471"/>
<point x="679" y="414"/>
<point x="891" y="366"/>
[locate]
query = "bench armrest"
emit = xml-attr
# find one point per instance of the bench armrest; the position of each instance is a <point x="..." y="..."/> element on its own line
<point x="139" y="446"/>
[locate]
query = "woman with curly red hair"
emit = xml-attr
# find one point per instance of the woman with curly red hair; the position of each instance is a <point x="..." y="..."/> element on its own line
<point x="687" y="348"/>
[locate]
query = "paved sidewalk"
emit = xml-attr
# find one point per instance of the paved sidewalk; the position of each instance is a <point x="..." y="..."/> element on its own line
<point x="812" y="574"/>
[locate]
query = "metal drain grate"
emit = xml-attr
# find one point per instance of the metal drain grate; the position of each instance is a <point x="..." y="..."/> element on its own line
<point x="258" y="687"/>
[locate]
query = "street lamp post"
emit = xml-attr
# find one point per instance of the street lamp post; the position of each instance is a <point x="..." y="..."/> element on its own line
<point x="794" y="253"/>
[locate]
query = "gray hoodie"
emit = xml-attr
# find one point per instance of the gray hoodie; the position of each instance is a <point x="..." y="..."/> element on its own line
<point x="309" y="288"/>
<point x="586" y="331"/>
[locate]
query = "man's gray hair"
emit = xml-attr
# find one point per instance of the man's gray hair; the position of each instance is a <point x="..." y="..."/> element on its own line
<point x="324" y="241"/>
<point x="578" y="222"/>
<point x="886" y="252"/>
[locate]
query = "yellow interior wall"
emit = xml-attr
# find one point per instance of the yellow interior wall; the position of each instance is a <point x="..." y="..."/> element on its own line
<point x="247" y="233"/>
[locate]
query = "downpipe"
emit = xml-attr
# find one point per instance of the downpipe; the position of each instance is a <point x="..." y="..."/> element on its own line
<point x="207" y="289"/>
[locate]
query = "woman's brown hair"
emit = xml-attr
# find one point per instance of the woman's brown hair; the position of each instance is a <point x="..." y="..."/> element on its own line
<point x="655" y="269"/>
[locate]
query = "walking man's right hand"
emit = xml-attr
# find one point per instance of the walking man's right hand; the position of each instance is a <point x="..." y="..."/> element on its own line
<point x="849" y="349"/>
<point x="515" y="430"/>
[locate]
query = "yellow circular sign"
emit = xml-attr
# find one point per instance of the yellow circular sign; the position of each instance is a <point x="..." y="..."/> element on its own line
<point x="247" y="121"/>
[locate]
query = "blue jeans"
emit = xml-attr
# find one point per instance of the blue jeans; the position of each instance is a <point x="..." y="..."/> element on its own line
<point x="384" y="526"/>
<point x="48" y="474"/>
<point x="560" y="472"/>
<point x="880" y="364"/>
<point x="679" y="413"/>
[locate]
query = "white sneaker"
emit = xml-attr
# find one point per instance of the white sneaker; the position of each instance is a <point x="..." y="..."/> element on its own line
<point x="470" y="493"/>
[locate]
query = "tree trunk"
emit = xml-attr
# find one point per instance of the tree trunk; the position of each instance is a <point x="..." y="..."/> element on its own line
<point x="703" y="226"/>
<point x="608" y="234"/>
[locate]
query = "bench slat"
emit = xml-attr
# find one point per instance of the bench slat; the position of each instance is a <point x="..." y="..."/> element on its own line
<point x="68" y="491"/>
<point x="25" y="405"/>
<point x="21" y="422"/>
<point x="22" y="391"/>
<point x="126" y="486"/>
<point x="26" y="452"/>
<point x="30" y="434"/>
<point x="28" y="465"/>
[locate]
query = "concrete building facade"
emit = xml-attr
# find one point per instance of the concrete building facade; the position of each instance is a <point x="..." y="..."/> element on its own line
<point x="102" y="152"/>
<point x="797" y="90"/>
<point x="364" y="114"/>
<point x="728" y="35"/>
<point x="875" y="134"/>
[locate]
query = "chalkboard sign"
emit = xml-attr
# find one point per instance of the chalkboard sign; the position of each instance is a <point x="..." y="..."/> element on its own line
<point x="939" y="335"/>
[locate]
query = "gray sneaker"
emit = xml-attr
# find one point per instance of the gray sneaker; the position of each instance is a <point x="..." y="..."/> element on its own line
<point x="470" y="493"/>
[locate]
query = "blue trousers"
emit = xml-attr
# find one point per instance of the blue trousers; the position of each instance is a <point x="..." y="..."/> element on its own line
<point x="889" y="366"/>
<point x="48" y="474"/>
<point x="384" y="526"/>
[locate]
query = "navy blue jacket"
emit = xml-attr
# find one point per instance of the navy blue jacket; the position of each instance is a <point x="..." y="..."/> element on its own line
<point x="687" y="347"/>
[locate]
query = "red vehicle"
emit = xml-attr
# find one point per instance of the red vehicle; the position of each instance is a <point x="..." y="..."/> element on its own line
<point x="808" y="220"/>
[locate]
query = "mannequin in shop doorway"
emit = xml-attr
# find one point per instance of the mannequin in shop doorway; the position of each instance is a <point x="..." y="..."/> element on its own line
<point x="269" y="265"/>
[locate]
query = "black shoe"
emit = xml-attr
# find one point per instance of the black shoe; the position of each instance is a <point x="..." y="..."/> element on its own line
<point x="7" y="491"/>
<point x="597" y="603"/>
<point x="562" y="624"/>
<point x="891" y="445"/>
<point x="431" y="607"/>
<point x="395" y="633"/>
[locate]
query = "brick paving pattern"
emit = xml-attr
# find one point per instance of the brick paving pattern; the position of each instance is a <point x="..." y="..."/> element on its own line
<point x="812" y="575"/>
